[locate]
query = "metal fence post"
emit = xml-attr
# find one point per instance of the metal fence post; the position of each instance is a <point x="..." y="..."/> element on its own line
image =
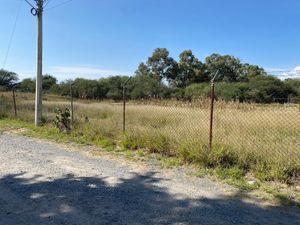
<point x="72" y="106"/>
<point x="124" y="108"/>
<point x="212" y="101"/>
<point x="15" y="105"/>
<point x="124" y="104"/>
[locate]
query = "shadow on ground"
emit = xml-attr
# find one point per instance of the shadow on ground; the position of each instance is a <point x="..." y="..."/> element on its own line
<point x="138" y="200"/>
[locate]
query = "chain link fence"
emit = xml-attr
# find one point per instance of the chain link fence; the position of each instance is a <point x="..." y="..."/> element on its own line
<point x="6" y="105"/>
<point x="271" y="131"/>
<point x="267" y="132"/>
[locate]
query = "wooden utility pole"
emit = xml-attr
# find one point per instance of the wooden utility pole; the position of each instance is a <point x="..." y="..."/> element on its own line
<point x="39" y="77"/>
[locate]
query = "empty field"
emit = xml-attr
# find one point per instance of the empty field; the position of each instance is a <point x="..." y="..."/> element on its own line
<point x="258" y="137"/>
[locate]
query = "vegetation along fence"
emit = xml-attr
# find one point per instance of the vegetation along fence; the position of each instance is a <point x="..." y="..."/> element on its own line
<point x="263" y="138"/>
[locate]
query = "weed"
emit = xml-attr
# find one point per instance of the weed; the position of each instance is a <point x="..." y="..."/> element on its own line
<point x="232" y="172"/>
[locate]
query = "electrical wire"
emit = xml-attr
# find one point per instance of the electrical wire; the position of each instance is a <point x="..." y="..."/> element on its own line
<point x="58" y="5"/>
<point x="12" y="34"/>
<point x="29" y="3"/>
<point x="47" y="2"/>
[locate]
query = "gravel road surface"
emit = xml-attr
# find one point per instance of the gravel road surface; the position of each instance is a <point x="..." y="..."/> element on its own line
<point x="46" y="183"/>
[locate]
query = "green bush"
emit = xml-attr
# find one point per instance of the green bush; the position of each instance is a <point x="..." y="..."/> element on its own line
<point x="130" y="141"/>
<point x="196" y="91"/>
<point x="193" y="152"/>
<point x="221" y="156"/>
<point x="152" y="142"/>
<point x="232" y="91"/>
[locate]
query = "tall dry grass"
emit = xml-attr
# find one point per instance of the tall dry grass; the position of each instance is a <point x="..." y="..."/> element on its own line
<point x="262" y="138"/>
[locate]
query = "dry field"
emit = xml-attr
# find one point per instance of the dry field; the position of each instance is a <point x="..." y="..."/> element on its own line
<point x="256" y="134"/>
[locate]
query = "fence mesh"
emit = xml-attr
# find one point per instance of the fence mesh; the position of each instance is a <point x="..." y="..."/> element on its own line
<point x="270" y="132"/>
<point x="168" y="125"/>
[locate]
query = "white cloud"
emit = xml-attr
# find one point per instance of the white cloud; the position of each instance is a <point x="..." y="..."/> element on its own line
<point x="285" y="73"/>
<point x="90" y="72"/>
<point x="294" y="73"/>
<point x="275" y="70"/>
<point x="71" y="72"/>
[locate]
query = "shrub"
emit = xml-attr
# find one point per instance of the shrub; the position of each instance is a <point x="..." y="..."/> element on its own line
<point x="196" y="91"/>
<point x="221" y="156"/>
<point x="62" y="120"/>
<point x="152" y="142"/>
<point x="130" y="141"/>
<point x="193" y="152"/>
<point x="158" y="143"/>
<point x="277" y="172"/>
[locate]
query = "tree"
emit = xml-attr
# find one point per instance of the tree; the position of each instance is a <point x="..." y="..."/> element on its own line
<point x="196" y="91"/>
<point x="228" y="66"/>
<point x="295" y="85"/>
<point x="190" y="70"/>
<point x="49" y="84"/>
<point x="8" y="78"/>
<point x="248" y="71"/>
<point x="268" y="89"/>
<point x="145" y="87"/>
<point x="64" y="87"/>
<point x="161" y="66"/>
<point x="48" y="81"/>
<point x="142" y="70"/>
<point x="27" y="85"/>
<point x="115" y="87"/>
<point x="87" y="89"/>
<point x="232" y="91"/>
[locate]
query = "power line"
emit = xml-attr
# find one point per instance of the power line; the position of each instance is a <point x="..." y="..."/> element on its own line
<point x="12" y="34"/>
<point x="58" y="5"/>
<point x="46" y="3"/>
<point x="29" y="4"/>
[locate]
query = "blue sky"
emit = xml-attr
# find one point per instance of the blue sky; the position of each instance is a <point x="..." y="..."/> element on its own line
<point x="96" y="38"/>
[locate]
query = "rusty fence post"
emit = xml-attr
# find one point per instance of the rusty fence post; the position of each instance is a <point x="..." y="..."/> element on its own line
<point x="72" y="105"/>
<point x="212" y="102"/>
<point x="124" y="103"/>
<point x="124" y="108"/>
<point x="15" y="104"/>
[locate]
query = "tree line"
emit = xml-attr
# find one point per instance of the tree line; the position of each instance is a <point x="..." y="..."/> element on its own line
<point x="162" y="77"/>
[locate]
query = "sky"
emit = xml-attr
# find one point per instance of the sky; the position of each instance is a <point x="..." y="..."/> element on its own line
<point x="98" y="38"/>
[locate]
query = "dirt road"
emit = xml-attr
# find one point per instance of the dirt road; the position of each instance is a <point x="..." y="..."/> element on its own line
<point x="44" y="183"/>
